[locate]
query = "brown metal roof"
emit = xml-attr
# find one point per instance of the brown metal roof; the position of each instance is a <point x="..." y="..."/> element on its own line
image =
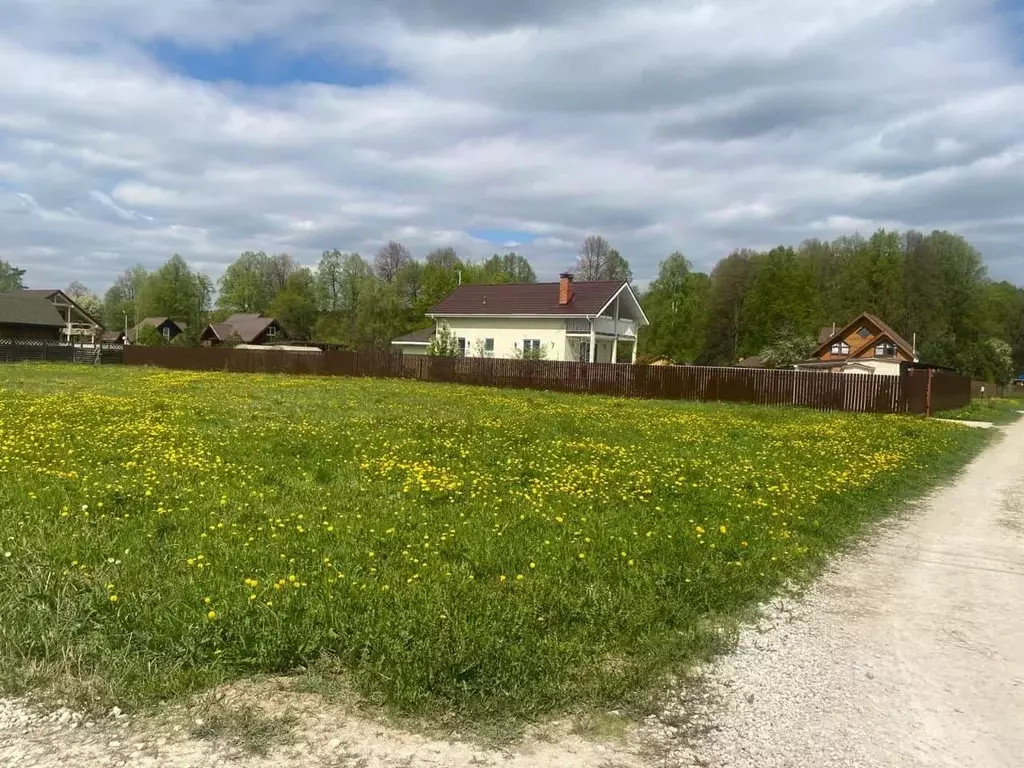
<point x="416" y="337"/>
<point x="879" y="323"/>
<point x="247" y="327"/>
<point x="588" y="298"/>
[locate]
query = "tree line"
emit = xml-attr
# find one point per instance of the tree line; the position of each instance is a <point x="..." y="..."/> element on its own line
<point x="771" y="303"/>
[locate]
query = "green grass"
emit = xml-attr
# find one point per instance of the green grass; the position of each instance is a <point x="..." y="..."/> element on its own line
<point x="464" y="553"/>
<point x="997" y="410"/>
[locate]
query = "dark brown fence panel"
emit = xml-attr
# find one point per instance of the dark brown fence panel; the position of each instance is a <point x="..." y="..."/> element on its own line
<point x="949" y="391"/>
<point x="812" y="389"/>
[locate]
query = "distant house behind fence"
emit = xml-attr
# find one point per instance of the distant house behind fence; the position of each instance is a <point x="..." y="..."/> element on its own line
<point x="596" y="322"/>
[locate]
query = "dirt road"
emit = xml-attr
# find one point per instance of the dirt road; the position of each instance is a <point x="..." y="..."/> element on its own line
<point x="908" y="653"/>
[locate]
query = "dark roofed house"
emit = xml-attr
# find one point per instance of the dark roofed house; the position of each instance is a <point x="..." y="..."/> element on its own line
<point x="568" y="320"/>
<point x="78" y="325"/>
<point x="167" y="327"/>
<point x="27" y="316"/>
<point x="244" y="328"/>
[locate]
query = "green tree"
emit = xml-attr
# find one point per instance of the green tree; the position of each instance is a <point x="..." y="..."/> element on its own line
<point x="780" y="301"/>
<point x="730" y="283"/>
<point x="149" y="336"/>
<point x="443" y="343"/>
<point x="328" y="280"/>
<point x="440" y="276"/>
<point x="675" y="305"/>
<point x="176" y="291"/>
<point x="86" y="299"/>
<point x="787" y="350"/>
<point x="10" y="277"/>
<point x="390" y="260"/>
<point x="120" y="303"/>
<point x="246" y="285"/>
<point x="296" y="305"/>
<point x="509" y="268"/>
<point x="599" y="261"/>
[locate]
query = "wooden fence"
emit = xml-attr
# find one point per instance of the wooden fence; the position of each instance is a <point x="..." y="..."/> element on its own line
<point x="916" y="391"/>
<point x="19" y="350"/>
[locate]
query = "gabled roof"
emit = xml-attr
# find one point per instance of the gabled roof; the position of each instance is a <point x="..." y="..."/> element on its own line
<point x="156" y="322"/>
<point x="421" y="337"/>
<point x="49" y="293"/>
<point x="529" y="300"/>
<point x="20" y="308"/>
<point x="247" y="327"/>
<point x="841" y="333"/>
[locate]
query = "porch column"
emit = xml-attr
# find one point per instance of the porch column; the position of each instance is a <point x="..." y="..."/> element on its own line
<point x="593" y="341"/>
<point x="635" y="340"/>
<point x="615" y="333"/>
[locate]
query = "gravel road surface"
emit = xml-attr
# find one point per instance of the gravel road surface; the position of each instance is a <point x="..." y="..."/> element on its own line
<point x="909" y="652"/>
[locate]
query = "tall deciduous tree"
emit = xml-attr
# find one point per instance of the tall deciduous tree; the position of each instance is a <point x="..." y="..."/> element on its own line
<point x="507" y="268"/>
<point x="730" y="283"/>
<point x="120" y="303"/>
<point x="389" y="261"/>
<point x="246" y="285"/>
<point x="780" y="302"/>
<point x="176" y="291"/>
<point x="296" y="304"/>
<point x="675" y="305"/>
<point x="599" y="261"/>
<point x="86" y="299"/>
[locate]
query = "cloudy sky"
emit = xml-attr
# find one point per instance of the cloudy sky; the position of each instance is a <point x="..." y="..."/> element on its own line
<point x="131" y="130"/>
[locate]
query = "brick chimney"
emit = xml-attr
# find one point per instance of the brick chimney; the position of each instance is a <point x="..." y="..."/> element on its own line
<point x="564" y="288"/>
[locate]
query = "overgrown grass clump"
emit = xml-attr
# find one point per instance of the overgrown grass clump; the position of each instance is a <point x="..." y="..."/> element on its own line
<point x="476" y="552"/>
<point x="997" y="410"/>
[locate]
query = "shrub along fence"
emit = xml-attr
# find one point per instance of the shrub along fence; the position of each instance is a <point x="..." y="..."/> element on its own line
<point x="916" y="391"/>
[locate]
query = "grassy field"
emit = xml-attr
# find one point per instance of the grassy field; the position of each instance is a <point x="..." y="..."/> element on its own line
<point x="476" y="553"/>
<point x="998" y="410"/>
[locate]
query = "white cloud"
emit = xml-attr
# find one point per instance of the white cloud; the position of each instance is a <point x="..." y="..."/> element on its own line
<point x="663" y="125"/>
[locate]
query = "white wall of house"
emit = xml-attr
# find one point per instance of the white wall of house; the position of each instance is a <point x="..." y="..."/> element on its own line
<point x="507" y="333"/>
<point x="881" y="367"/>
<point x="410" y="349"/>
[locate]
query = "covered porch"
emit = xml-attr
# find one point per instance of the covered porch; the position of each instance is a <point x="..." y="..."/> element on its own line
<point x="611" y="335"/>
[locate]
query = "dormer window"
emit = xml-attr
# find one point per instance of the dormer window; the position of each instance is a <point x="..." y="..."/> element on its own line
<point x="840" y="348"/>
<point x="885" y="349"/>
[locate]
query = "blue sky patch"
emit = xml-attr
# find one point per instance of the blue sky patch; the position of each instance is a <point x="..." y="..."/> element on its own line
<point x="503" y="236"/>
<point x="266" y="63"/>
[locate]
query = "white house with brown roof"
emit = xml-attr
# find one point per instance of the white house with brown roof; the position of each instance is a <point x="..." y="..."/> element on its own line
<point x="595" y="322"/>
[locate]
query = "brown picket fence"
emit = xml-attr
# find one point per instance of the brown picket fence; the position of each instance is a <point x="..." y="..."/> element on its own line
<point x="915" y="391"/>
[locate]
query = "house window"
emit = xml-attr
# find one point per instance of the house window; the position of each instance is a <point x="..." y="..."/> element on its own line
<point x="863" y="333"/>
<point x="584" y="355"/>
<point x="167" y="331"/>
<point x="840" y="348"/>
<point x="462" y="346"/>
<point x="885" y="349"/>
<point x="531" y="346"/>
<point x="272" y="331"/>
<point x="488" y="347"/>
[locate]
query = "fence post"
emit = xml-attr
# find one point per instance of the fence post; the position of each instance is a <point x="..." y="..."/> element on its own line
<point x="928" y="394"/>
